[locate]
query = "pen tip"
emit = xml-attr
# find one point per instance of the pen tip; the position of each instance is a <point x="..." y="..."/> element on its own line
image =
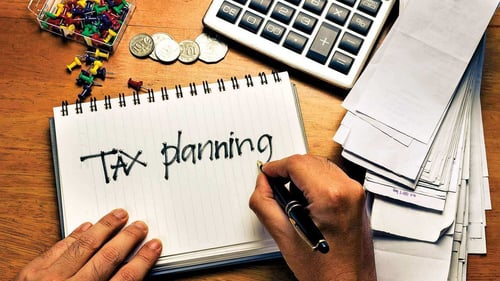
<point x="260" y="164"/>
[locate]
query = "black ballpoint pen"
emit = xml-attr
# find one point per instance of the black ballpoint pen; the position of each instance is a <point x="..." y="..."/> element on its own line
<point x="297" y="214"/>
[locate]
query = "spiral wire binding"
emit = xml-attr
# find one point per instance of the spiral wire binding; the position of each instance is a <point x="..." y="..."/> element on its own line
<point x="234" y="81"/>
<point x="178" y="91"/>
<point x="151" y="96"/>
<point x="165" y="95"/>
<point x="107" y="102"/>
<point x="192" y="89"/>
<point x="206" y="87"/>
<point x="137" y="99"/>
<point x="222" y="87"/>
<point x="93" y="104"/>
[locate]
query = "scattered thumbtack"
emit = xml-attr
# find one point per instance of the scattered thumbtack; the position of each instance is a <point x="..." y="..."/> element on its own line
<point x="102" y="73"/>
<point x="76" y="62"/>
<point x="86" y="92"/>
<point x="95" y="66"/>
<point x="89" y="59"/>
<point x="136" y="85"/>
<point x="100" y="54"/>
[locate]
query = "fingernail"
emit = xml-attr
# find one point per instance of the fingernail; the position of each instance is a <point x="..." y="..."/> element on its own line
<point x="85" y="226"/>
<point x="120" y="213"/>
<point x="141" y="225"/>
<point x="154" y="244"/>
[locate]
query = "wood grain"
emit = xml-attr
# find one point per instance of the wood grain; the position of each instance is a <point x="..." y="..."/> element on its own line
<point x="33" y="80"/>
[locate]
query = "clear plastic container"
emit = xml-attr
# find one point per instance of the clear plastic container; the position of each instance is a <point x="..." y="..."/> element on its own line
<point x="98" y="24"/>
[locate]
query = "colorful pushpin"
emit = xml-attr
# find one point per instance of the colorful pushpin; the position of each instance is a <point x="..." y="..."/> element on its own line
<point x="100" y="54"/>
<point x="84" y="78"/>
<point x="81" y="3"/>
<point x="88" y="59"/>
<point x="97" y="64"/>
<point x="111" y="35"/>
<point x="99" y="9"/>
<point x="76" y="62"/>
<point x="68" y="30"/>
<point x="86" y="92"/>
<point x="101" y="73"/>
<point x="60" y="10"/>
<point x="136" y="85"/>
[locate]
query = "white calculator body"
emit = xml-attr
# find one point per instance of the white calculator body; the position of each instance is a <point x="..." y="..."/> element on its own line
<point x="328" y="39"/>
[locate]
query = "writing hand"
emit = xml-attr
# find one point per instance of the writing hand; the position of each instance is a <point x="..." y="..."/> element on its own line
<point x="96" y="252"/>
<point x="336" y="205"/>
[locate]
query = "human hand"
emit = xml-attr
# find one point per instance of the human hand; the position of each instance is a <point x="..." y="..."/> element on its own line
<point x="336" y="205"/>
<point x="96" y="252"/>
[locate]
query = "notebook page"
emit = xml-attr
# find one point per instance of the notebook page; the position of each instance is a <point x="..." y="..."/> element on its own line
<point x="160" y="161"/>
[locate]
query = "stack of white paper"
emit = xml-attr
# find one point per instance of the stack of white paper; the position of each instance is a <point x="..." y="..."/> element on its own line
<point x="414" y="122"/>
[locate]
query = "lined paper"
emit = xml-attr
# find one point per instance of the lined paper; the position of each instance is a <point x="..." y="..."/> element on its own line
<point x="202" y="207"/>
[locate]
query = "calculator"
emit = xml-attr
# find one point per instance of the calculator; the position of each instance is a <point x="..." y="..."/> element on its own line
<point x="328" y="39"/>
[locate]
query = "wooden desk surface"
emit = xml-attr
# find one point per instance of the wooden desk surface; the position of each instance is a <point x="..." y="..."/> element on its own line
<point x="33" y="79"/>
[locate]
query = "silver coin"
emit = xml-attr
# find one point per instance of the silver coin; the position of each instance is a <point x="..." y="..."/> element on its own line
<point x="167" y="50"/>
<point x="141" y="45"/>
<point x="157" y="38"/>
<point x="190" y="51"/>
<point x="212" y="50"/>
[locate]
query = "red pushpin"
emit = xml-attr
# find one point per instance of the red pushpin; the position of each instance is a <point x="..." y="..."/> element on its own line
<point x="136" y="85"/>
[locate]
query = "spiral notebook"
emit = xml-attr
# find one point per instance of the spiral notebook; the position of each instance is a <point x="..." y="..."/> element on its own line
<point x="183" y="160"/>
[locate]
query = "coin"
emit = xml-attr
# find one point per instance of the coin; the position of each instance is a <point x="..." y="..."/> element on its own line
<point x="157" y="38"/>
<point x="167" y="50"/>
<point x="190" y="51"/>
<point x="141" y="45"/>
<point x="212" y="50"/>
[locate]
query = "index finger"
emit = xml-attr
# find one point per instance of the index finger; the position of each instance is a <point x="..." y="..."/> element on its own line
<point x="87" y="244"/>
<point x="299" y="168"/>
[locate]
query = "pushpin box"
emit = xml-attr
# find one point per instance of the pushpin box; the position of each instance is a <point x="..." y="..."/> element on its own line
<point x="95" y="23"/>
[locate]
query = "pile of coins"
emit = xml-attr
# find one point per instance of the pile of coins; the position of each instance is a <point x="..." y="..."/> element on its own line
<point x="163" y="48"/>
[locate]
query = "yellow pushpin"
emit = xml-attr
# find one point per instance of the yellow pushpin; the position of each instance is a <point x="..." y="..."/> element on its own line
<point x="76" y="62"/>
<point x="95" y="67"/>
<point x="111" y="35"/>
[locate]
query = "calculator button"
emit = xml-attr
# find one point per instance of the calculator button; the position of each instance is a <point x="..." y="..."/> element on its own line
<point x="229" y="12"/>
<point x="323" y="43"/>
<point x="340" y="62"/>
<point x="243" y="2"/>
<point x="350" y="43"/>
<point x="283" y="13"/>
<point x="370" y="7"/>
<point x="304" y="23"/>
<point x="251" y="22"/>
<point x="261" y="5"/>
<point x="315" y="6"/>
<point x="337" y="14"/>
<point x="273" y="31"/>
<point x="360" y="24"/>
<point x="295" y="2"/>
<point x="348" y="2"/>
<point x="295" y="42"/>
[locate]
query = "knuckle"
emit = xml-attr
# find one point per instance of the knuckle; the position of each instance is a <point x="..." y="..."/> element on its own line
<point x="146" y="256"/>
<point x="252" y="201"/>
<point x="134" y="232"/>
<point x="109" y="221"/>
<point x="27" y="274"/>
<point x="111" y="255"/>
<point x="87" y="242"/>
<point x="296" y="160"/>
<point x="127" y="274"/>
<point x="30" y="274"/>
